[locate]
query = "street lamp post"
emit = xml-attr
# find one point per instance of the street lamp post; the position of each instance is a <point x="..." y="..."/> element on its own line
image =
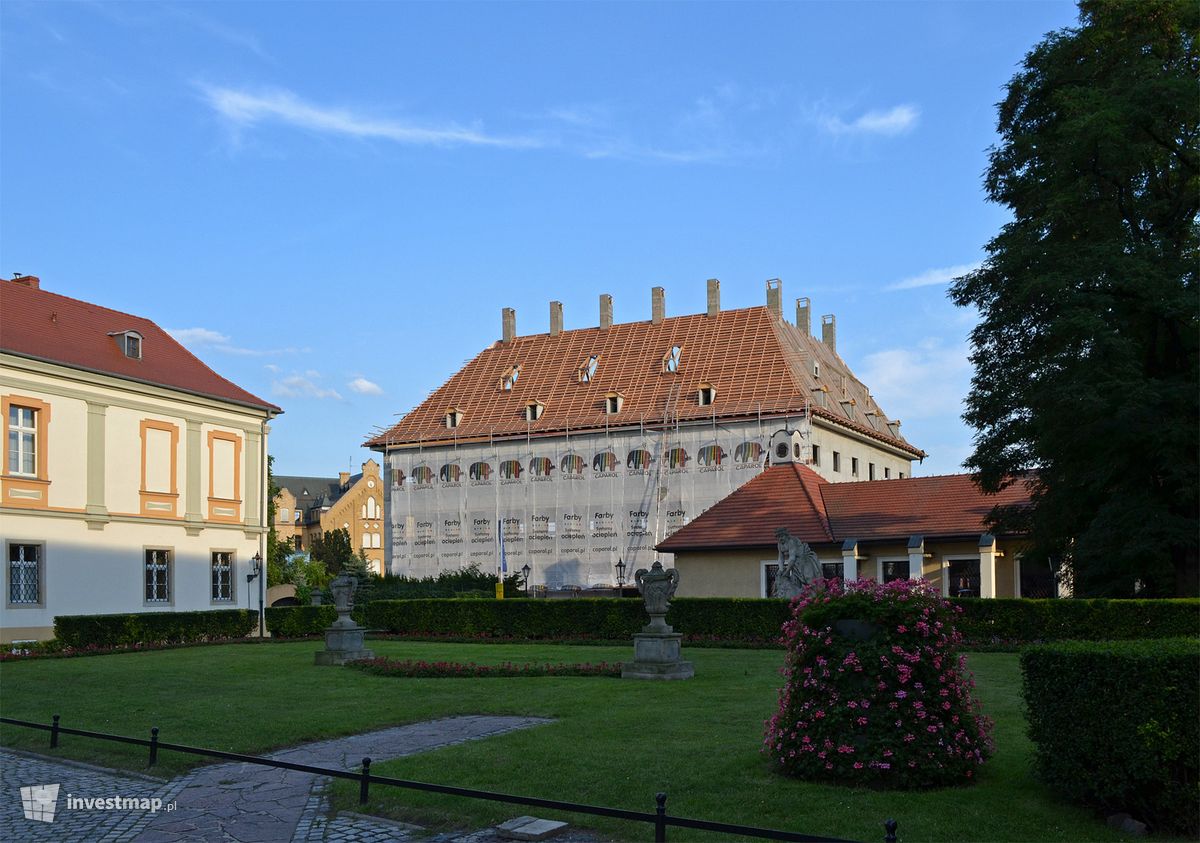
<point x="256" y="571"/>
<point x="525" y="572"/>
<point x="620" y="572"/>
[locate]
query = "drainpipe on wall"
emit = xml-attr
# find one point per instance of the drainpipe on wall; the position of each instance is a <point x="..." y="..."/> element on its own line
<point x="262" y="535"/>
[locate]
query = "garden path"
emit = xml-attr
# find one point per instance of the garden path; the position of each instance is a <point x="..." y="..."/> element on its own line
<point x="236" y="802"/>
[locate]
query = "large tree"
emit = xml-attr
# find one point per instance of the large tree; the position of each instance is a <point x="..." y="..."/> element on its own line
<point x="1086" y="373"/>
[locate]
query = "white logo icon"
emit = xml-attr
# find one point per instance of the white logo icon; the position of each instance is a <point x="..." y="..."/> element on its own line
<point x="38" y="802"/>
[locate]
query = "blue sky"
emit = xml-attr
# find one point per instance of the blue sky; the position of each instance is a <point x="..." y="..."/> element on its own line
<point x="330" y="203"/>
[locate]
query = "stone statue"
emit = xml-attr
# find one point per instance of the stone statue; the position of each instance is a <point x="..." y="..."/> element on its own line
<point x="657" y="587"/>
<point x="798" y="565"/>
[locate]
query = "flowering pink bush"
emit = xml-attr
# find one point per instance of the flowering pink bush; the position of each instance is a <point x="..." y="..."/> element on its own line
<point x="453" y="670"/>
<point x="887" y="705"/>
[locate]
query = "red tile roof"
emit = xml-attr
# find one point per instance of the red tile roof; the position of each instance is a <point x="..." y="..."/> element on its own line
<point x="819" y="512"/>
<point x="755" y="361"/>
<point x="46" y="326"/>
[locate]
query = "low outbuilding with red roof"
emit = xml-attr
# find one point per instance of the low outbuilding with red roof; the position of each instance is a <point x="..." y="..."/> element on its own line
<point x="917" y="527"/>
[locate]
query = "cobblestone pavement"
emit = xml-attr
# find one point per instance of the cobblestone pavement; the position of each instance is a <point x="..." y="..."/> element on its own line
<point x="244" y="803"/>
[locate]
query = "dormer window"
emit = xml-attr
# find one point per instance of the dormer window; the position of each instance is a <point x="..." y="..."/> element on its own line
<point x="670" y="363"/>
<point x="820" y="396"/>
<point x="588" y="370"/>
<point x="534" y="410"/>
<point x="848" y="408"/>
<point x="705" y="394"/>
<point x="613" y="402"/>
<point x="454" y="418"/>
<point x="816" y="369"/>
<point x="509" y="378"/>
<point x="130" y="343"/>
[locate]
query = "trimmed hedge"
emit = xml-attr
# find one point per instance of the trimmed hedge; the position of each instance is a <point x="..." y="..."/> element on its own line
<point x="152" y="627"/>
<point x="1116" y="726"/>
<point x="298" y="621"/>
<point x="1025" y="621"/>
<point x="982" y="622"/>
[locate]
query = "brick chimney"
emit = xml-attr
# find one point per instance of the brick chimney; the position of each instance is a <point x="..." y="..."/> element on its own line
<point x="555" y="318"/>
<point x="508" y="318"/>
<point x="775" y="297"/>
<point x="343" y="479"/>
<point x="658" y="305"/>
<point x="31" y="281"/>
<point x="714" y="296"/>
<point x="804" y="316"/>
<point x="605" y="311"/>
<point x="829" y="331"/>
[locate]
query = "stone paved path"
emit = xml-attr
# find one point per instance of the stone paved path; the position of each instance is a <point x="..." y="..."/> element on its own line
<point x="244" y="803"/>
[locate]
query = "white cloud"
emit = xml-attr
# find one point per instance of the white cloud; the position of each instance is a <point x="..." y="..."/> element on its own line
<point x="246" y="108"/>
<point x="208" y="339"/>
<point x="198" y="336"/>
<point x="934" y="277"/>
<point x="300" y="386"/>
<point x="896" y="121"/>
<point x="926" y="381"/>
<point x="365" y="387"/>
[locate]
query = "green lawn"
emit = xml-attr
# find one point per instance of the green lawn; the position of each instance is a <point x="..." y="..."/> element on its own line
<point x="613" y="743"/>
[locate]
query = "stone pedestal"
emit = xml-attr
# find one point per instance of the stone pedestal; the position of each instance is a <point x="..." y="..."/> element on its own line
<point x="656" y="655"/>
<point x="343" y="643"/>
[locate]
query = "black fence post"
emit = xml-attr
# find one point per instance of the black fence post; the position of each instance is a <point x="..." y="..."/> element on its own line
<point x="153" y="745"/>
<point x="660" y="818"/>
<point x="364" y="782"/>
<point x="54" y="733"/>
<point x="890" y="828"/>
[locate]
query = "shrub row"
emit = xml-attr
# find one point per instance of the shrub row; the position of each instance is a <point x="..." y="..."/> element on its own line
<point x="82" y="631"/>
<point x="1026" y="621"/>
<point x="1115" y="726"/>
<point x="298" y="621"/>
<point x="1008" y="622"/>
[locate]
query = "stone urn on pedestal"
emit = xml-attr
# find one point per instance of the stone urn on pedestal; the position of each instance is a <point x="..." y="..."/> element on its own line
<point x="343" y="638"/>
<point x="657" y="648"/>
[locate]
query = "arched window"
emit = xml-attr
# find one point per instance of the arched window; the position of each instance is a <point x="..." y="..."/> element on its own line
<point x="375" y="540"/>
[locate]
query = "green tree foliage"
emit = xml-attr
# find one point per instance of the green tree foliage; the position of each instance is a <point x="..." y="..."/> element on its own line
<point x="277" y="551"/>
<point x="1086" y="356"/>
<point x="334" y="550"/>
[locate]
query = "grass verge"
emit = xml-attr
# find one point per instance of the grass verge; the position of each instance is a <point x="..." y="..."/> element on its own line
<point x="614" y="742"/>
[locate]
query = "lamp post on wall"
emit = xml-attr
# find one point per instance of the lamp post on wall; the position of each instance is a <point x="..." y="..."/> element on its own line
<point x="620" y="573"/>
<point x="256" y="571"/>
<point x="525" y="572"/>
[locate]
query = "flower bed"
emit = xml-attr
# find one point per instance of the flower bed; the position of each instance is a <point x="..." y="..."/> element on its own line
<point x="875" y="692"/>
<point x="410" y="668"/>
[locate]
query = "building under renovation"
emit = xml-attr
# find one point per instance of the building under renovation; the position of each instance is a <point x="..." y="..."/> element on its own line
<point x="569" y="451"/>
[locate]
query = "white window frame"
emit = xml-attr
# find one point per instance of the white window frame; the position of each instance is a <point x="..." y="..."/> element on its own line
<point x="958" y="557"/>
<point x="39" y="573"/>
<point x="167" y="570"/>
<point x="24" y="434"/>
<point x="232" y="571"/>
<point x="762" y="575"/>
<point x="879" y="563"/>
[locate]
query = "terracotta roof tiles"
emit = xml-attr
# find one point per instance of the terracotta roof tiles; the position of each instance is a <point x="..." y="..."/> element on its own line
<point x="819" y="512"/>
<point x="755" y="362"/>
<point x="59" y="329"/>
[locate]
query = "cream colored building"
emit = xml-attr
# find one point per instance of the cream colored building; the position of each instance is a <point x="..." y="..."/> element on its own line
<point x="931" y="528"/>
<point x="133" y="478"/>
<point x="307" y="507"/>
